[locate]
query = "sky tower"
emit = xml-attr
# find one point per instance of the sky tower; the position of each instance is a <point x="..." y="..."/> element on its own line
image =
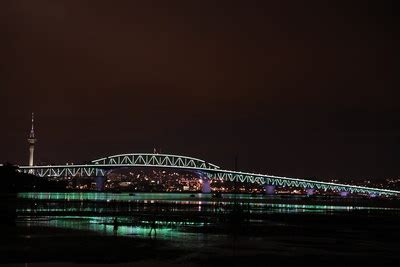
<point x="31" y="140"/>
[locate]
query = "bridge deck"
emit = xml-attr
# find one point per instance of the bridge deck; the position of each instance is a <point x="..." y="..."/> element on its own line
<point x="100" y="167"/>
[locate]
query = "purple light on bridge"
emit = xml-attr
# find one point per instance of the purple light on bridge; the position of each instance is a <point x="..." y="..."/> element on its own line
<point x="269" y="189"/>
<point x="310" y="192"/>
<point x="344" y="194"/>
<point x="100" y="182"/>
<point x="205" y="186"/>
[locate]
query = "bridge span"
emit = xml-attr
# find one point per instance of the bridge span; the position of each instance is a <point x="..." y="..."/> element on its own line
<point x="101" y="167"/>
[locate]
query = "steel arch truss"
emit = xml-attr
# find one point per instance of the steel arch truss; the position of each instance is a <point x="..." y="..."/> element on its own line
<point x="155" y="160"/>
<point x="101" y="166"/>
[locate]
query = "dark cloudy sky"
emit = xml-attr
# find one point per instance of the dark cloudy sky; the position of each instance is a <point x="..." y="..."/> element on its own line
<point x="295" y="88"/>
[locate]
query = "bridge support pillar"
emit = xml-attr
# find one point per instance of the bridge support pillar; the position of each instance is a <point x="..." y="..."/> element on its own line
<point x="269" y="189"/>
<point x="100" y="182"/>
<point x="205" y="186"/>
<point x="310" y="192"/>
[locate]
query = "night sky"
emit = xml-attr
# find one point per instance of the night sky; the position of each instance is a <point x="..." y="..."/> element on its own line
<point x="295" y="88"/>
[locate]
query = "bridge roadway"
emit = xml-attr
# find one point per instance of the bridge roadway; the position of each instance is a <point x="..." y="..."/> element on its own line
<point x="100" y="168"/>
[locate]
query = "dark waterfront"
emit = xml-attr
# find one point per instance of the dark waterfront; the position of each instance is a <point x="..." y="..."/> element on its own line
<point x="168" y="229"/>
<point x="293" y="105"/>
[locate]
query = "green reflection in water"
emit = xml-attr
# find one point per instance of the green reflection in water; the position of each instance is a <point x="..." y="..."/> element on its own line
<point x="96" y="196"/>
<point x="183" y="199"/>
<point x="95" y="204"/>
<point x="105" y="226"/>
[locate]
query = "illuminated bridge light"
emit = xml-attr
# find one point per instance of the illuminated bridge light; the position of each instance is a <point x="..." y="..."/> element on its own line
<point x="102" y="166"/>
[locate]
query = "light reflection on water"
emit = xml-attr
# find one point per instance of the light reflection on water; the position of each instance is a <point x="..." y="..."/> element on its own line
<point x="179" y="216"/>
<point x="254" y="209"/>
<point x="105" y="226"/>
<point x="105" y="196"/>
<point x="87" y="201"/>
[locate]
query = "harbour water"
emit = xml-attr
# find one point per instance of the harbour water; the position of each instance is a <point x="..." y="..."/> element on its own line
<point x="204" y="226"/>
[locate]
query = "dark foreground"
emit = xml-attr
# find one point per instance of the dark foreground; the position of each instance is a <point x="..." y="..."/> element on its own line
<point x="351" y="238"/>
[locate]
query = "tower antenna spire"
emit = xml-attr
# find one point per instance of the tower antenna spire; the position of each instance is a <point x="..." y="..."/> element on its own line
<point x="31" y="140"/>
<point x="32" y="129"/>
